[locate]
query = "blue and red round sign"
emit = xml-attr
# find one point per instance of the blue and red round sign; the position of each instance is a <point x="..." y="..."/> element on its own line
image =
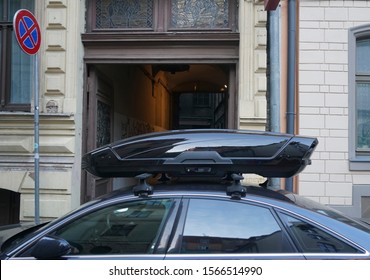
<point x="27" y="31"/>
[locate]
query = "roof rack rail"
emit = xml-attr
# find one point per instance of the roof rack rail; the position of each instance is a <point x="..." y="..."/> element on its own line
<point x="205" y="152"/>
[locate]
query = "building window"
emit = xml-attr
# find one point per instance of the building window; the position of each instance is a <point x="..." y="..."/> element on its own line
<point x="201" y="100"/>
<point x="161" y="15"/>
<point x="15" y="66"/>
<point x="359" y="97"/>
<point x="199" y="14"/>
<point x="363" y="95"/>
<point x="124" y="14"/>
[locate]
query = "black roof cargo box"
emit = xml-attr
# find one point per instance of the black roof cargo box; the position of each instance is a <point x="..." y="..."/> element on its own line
<point x="215" y="152"/>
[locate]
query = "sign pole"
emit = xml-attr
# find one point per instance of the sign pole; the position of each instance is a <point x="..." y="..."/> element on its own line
<point x="36" y="151"/>
<point x="28" y="35"/>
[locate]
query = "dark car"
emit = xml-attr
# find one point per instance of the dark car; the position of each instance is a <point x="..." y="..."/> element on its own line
<point x="7" y="231"/>
<point x="14" y="233"/>
<point x="190" y="203"/>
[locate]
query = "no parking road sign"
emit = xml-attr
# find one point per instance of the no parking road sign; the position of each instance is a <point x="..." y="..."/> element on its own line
<point x="27" y="31"/>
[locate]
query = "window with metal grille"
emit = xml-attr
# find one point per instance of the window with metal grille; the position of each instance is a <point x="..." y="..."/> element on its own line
<point x="162" y="15"/>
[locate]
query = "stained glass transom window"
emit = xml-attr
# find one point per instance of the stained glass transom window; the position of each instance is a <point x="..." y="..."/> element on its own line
<point x="202" y="14"/>
<point x="124" y="14"/>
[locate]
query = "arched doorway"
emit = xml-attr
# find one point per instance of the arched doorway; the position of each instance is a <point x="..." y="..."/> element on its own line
<point x="200" y="97"/>
<point x="124" y="100"/>
<point x="135" y="78"/>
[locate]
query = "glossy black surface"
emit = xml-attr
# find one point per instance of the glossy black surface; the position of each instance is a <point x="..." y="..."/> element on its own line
<point x="51" y="247"/>
<point x="203" y="152"/>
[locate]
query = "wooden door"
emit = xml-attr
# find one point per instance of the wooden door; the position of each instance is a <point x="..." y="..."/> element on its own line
<point x="98" y="112"/>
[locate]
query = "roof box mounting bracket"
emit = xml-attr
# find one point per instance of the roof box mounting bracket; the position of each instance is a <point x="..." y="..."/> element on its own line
<point x="143" y="189"/>
<point x="236" y="190"/>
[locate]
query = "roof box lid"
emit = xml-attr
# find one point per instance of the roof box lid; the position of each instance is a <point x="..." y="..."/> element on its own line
<point x="203" y="152"/>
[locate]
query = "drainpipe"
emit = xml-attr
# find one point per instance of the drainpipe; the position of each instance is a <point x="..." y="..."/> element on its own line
<point x="274" y="53"/>
<point x="290" y="114"/>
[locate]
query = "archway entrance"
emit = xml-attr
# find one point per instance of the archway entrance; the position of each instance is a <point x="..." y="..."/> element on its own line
<point x="135" y="82"/>
<point x="124" y="100"/>
<point x="200" y="97"/>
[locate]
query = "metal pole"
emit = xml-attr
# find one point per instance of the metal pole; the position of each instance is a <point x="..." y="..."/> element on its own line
<point x="291" y="65"/>
<point x="29" y="39"/>
<point x="291" y="76"/>
<point x="36" y="151"/>
<point x="274" y="33"/>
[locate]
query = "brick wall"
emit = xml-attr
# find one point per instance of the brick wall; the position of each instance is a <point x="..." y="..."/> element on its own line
<point x="323" y="96"/>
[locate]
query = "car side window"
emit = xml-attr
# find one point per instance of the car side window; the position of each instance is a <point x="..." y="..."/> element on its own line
<point x="217" y="226"/>
<point x="312" y="239"/>
<point x="126" y="228"/>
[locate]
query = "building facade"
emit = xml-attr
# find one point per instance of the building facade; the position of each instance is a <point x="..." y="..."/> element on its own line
<point x="334" y="90"/>
<point x="109" y="69"/>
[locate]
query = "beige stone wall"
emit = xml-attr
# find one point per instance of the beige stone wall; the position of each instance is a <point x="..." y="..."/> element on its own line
<point x="60" y="92"/>
<point x="252" y="64"/>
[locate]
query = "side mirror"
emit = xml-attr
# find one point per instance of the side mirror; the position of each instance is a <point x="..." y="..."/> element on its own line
<point x="51" y="247"/>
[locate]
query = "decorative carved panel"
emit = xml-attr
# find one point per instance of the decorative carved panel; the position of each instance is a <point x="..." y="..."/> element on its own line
<point x="202" y="14"/>
<point x="124" y="13"/>
<point x="103" y="130"/>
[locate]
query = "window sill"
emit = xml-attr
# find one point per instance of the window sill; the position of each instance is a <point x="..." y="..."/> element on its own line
<point x="360" y="164"/>
<point x="28" y="114"/>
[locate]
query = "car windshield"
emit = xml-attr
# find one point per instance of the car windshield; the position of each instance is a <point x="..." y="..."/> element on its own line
<point x="327" y="211"/>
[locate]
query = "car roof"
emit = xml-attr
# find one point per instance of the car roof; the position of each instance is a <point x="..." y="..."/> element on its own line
<point x="203" y="186"/>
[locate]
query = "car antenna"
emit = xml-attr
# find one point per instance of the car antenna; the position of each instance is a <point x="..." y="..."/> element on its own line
<point x="236" y="190"/>
<point x="143" y="189"/>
